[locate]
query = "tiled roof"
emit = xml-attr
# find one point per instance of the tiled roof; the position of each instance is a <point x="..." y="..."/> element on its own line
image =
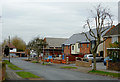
<point x="11" y="46"/>
<point x="79" y="37"/>
<point x="115" y="30"/>
<point x="55" y="42"/>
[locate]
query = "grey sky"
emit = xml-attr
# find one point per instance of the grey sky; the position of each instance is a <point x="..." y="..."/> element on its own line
<point x="30" y="18"/>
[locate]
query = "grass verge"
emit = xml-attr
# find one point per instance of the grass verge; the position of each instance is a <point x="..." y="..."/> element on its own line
<point x="10" y="65"/>
<point x="46" y="63"/>
<point x="68" y="67"/>
<point x="35" y="62"/>
<point x="27" y="75"/>
<point x="105" y="73"/>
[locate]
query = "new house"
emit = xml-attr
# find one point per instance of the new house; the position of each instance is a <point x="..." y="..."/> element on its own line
<point x="54" y="47"/>
<point x="78" y="45"/>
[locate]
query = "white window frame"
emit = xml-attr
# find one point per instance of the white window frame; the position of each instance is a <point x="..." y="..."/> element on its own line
<point x="114" y="39"/>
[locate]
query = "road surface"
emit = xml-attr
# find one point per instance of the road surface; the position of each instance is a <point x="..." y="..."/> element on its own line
<point x="51" y="73"/>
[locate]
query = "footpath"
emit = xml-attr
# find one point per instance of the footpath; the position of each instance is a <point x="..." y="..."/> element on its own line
<point x="11" y="74"/>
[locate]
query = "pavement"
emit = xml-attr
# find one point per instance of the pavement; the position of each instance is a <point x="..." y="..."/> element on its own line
<point x="11" y="74"/>
<point x="53" y="72"/>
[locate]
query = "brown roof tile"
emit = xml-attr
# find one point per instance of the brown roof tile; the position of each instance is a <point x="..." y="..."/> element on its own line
<point x="11" y="46"/>
<point x="115" y="30"/>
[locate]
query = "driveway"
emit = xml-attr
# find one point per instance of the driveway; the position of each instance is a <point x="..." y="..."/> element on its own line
<point x="51" y="73"/>
<point x="100" y="66"/>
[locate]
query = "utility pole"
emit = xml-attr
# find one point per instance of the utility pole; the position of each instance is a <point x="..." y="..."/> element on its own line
<point x="9" y="48"/>
<point x="43" y="54"/>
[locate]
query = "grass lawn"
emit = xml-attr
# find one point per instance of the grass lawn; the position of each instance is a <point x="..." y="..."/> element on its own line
<point x="27" y="75"/>
<point x="68" y="67"/>
<point x="35" y="62"/>
<point x="10" y="65"/>
<point x="46" y="63"/>
<point x="105" y="73"/>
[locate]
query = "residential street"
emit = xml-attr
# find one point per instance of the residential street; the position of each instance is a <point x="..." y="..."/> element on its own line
<point x="51" y="73"/>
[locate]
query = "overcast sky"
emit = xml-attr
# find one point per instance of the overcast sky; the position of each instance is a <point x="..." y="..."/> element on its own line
<point x="48" y="18"/>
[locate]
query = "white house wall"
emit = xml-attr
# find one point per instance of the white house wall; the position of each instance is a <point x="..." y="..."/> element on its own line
<point x="13" y="50"/>
<point x="100" y="48"/>
<point x="76" y="49"/>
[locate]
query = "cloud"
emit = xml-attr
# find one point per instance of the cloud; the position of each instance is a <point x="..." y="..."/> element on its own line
<point x="28" y="19"/>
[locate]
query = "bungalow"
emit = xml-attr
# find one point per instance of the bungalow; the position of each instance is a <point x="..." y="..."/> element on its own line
<point x="112" y="35"/>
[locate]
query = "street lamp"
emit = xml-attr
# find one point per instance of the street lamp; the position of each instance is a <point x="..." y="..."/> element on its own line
<point x="9" y="48"/>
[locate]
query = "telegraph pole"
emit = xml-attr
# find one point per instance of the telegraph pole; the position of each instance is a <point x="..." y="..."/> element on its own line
<point x="9" y="48"/>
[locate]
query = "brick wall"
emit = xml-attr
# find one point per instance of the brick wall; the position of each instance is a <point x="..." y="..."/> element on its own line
<point x="113" y="66"/>
<point x="84" y="49"/>
<point x="106" y="45"/>
<point x="67" y="50"/>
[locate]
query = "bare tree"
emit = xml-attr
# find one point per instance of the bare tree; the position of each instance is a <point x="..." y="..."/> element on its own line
<point x="102" y="17"/>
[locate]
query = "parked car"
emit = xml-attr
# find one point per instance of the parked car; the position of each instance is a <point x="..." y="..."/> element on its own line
<point x="90" y="57"/>
<point x="107" y="58"/>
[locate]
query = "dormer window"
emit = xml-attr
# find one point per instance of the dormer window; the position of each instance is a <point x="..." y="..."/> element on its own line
<point x="114" y="39"/>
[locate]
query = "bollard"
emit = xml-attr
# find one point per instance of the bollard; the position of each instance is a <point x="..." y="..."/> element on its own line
<point x="90" y="63"/>
<point x="67" y="60"/>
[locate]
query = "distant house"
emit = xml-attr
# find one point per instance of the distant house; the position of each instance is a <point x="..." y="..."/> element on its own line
<point x="112" y="35"/>
<point x="78" y="45"/>
<point x="12" y="50"/>
<point x="54" y="47"/>
<point x="14" y="53"/>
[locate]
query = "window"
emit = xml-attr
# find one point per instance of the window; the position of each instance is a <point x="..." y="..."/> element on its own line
<point x="114" y="39"/>
<point x="78" y="45"/>
<point x="90" y="55"/>
<point x="87" y="45"/>
<point x="72" y="47"/>
<point x="81" y="45"/>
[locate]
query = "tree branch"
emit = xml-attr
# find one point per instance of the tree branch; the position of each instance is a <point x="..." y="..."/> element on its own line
<point x="86" y="36"/>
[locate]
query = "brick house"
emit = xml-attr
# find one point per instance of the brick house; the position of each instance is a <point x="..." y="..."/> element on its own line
<point x="79" y="45"/>
<point x="76" y="46"/>
<point x="67" y="49"/>
<point x="112" y="35"/>
<point x="85" y="47"/>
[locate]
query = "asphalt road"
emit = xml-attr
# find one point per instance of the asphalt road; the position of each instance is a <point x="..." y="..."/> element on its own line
<point x="51" y="73"/>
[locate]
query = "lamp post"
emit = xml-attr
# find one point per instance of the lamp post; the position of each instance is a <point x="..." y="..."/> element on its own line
<point x="9" y="48"/>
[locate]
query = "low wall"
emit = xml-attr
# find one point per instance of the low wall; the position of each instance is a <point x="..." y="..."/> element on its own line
<point x="83" y="63"/>
<point x="57" y="61"/>
<point x="3" y="70"/>
<point x="113" y="66"/>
